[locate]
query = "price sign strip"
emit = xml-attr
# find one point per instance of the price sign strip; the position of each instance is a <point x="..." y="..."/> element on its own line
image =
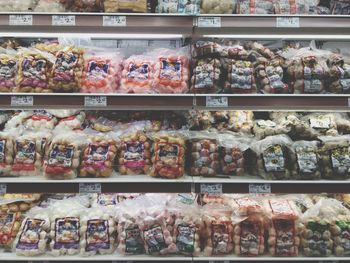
<point x="90" y="188"/>
<point x="22" y="101"/>
<point x="20" y="20"/>
<point x="95" y="101"/>
<point x="63" y="20"/>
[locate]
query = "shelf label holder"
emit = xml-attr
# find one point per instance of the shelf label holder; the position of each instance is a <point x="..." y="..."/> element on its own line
<point x="20" y="101"/>
<point x="95" y="101"/>
<point x="111" y="21"/>
<point x="20" y="20"/>
<point x="288" y="22"/>
<point x="208" y="21"/>
<point x="90" y="188"/>
<point x="3" y="188"/>
<point x="216" y="101"/>
<point x="211" y="189"/>
<point x="260" y="188"/>
<point x="63" y="20"/>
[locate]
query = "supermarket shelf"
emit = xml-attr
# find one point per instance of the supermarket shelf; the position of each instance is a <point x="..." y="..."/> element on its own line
<point x="266" y="25"/>
<point x="93" y="23"/>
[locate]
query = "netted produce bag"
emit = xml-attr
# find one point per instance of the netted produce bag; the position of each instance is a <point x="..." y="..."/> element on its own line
<point x="306" y="161"/>
<point x="249" y="227"/>
<point x="171" y="71"/>
<point x="138" y="74"/>
<point x="33" y="235"/>
<point x="8" y="69"/>
<point x="255" y="7"/>
<point x="34" y="70"/>
<point x="62" y="159"/>
<point x="218" y="6"/>
<point x="339" y="75"/>
<point x="97" y="232"/>
<point x="206" y="76"/>
<point x="178" y="6"/>
<point x="41" y="119"/>
<point x="50" y="6"/>
<point x="319" y="231"/>
<point x="204" y="154"/>
<point x="264" y="128"/>
<point x="17" y="5"/>
<point x="274" y="157"/>
<point x="218" y="230"/>
<point x="340" y="7"/>
<point x="291" y="7"/>
<point x="335" y="157"/>
<point x="101" y="72"/>
<point x="283" y="217"/>
<point x="136" y="6"/>
<point x="340" y="232"/>
<point x="84" y="5"/>
<point x="6" y="153"/>
<point x="206" y="48"/>
<point x="169" y="155"/>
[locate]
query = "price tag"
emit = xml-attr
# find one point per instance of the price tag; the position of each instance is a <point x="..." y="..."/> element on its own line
<point x="287" y="22"/>
<point x="21" y="20"/>
<point x="63" y="20"/>
<point x="209" y="22"/>
<point x="95" y="101"/>
<point x="22" y="101"/>
<point x="114" y="20"/>
<point x="3" y="188"/>
<point x="216" y="101"/>
<point x="260" y="188"/>
<point x="90" y="188"/>
<point x="211" y="189"/>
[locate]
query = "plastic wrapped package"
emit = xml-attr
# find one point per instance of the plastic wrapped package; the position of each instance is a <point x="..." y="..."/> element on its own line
<point x="343" y="122"/>
<point x="62" y="159"/>
<point x="138" y="74"/>
<point x="50" y="6"/>
<point x="217" y="230"/>
<point x="205" y="48"/>
<point x="204" y="155"/>
<point x="17" y="120"/>
<point x="136" y="6"/>
<point x="98" y="232"/>
<point x="199" y="119"/>
<point x="218" y="7"/>
<point x="32" y="238"/>
<point x="34" y="70"/>
<point x="73" y="122"/>
<point x="206" y="76"/>
<point x="10" y="223"/>
<point x="257" y="49"/>
<point x="240" y="121"/>
<point x="98" y="158"/>
<point x="8" y="70"/>
<point x="103" y="124"/>
<point x="171" y="71"/>
<point x="335" y="157"/>
<point x="274" y="157"/>
<point x="283" y="238"/>
<point x="6" y="153"/>
<point x="66" y="74"/>
<point x="63" y="113"/>
<point x="85" y="5"/>
<point x="177" y="6"/>
<point x="339" y="75"/>
<point x="169" y="155"/>
<point x="135" y="153"/>
<point x="319" y="124"/>
<point x="255" y="7"/>
<point x="17" y="5"/>
<point x="340" y="232"/>
<point x="291" y="7"/>
<point x="264" y="128"/>
<point x="41" y="119"/>
<point x="245" y="206"/>
<point x="18" y="202"/>
<point x="233" y="156"/>
<point x="101" y="72"/>
<point x="340" y="7"/>
<point x="306" y="160"/>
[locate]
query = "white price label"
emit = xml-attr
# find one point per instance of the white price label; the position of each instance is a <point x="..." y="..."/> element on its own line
<point x="63" y="20"/>
<point x="90" y="188"/>
<point x="211" y="189"/>
<point x="114" y="20"/>
<point x="209" y="21"/>
<point x="287" y="22"/>
<point x="22" y="101"/>
<point x="21" y="20"/>
<point x="3" y="188"/>
<point x="95" y="101"/>
<point x="216" y="101"/>
<point x="260" y="188"/>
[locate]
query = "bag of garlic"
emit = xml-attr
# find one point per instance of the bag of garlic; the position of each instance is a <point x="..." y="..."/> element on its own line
<point x="274" y="157"/>
<point x="98" y="232"/>
<point x="320" y="124"/>
<point x="32" y="238"/>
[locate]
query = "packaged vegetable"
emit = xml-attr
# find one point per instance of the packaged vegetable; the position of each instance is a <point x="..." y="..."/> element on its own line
<point x="177" y="6"/>
<point x="255" y="7"/>
<point x="240" y="121"/>
<point x="84" y="6"/>
<point x="17" y="5"/>
<point x="8" y="70"/>
<point x="72" y="122"/>
<point x="291" y="7"/>
<point x="10" y="223"/>
<point x="199" y="119"/>
<point x="340" y="233"/>
<point x="206" y="76"/>
<point x="218" y="7"/>
<point x="339" y="75"/>
<point x="340" y="7"/>
<point x="205" y="49"/>
<point x="50" y="6"/>
<point x="136" y="6"/>
<point x="41" y="119"/>
<point x="6" y="153"/>
<point x="319" y="124"/>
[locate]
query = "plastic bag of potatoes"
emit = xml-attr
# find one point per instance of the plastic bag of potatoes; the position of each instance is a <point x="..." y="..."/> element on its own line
<point x="8" y="69"/>
<point x="41" y="119"/>
<point x="136" y="6"/>
<point x="264" y="128"/>
<point x="50" y="6"/>
<point x="6" y="154"/>
<point x="291" y="7"/>
<point x="255" y="7"/>
<point x="339" y="74"/>
<point x="17" y="5"/>
<point x="218" y="6"/>
<point x="340" y="7"/>
<point x="340" y="232"/>
<point x="84" y="6"/>
<point x="206" y="76"/>
<point x="178" y="6"/>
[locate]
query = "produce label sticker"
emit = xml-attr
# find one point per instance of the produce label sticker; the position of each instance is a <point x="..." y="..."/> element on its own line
<point x="216" y="101"/>
<point x="133" y="241"/>
<point x="95" y="101"/>
<point x="90" y="188"/>
<point x="30" y="236"/>
<point x="209" y="21"/>
<point x="110" y="21"/>
<point x="306" y="159"/>
<point x="154" y="239"/>
<point x="67" y="233"/>
<point x="20" y="20"/>
<point x="260" y="188"/>
<point x="134" y="155"/>
<point x="185" y="238"/>
<point x="22" y="101"/>
<point x="63" y="20"/>
<point x="288" y="22"/>
<point x="211" y="189"/>
<point x="97" y="235"/>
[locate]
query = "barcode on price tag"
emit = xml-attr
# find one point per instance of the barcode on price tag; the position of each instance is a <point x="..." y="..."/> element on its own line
<point x="211" y="189"/>
<point x="90" y="188"/>
<point x="260" y="188"/>
<point x="216" y="101"/>
<point x="22" y="101"/>
<point x="63" y="20"/>
<point x="3" y="188"/>
<point x="20" y="20"/>
<point x="95" y="101"/>
<point x="209" y="22"/>
<point x="114" y="20"/>
<point x="287" y="22"/>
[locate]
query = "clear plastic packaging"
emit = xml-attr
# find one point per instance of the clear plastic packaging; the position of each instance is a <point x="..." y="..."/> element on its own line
<point x="72" y="122"/>
<point x="41" y="119"/>
<point x="264" y="128"/>
<point x="84" y="6"/>
<point x="340" y="7"/>
<point x="199" y="119"/>
<point x="291" y="7"/>
<point x="169" y="155"/>
<point x="206" y="76"/>
<point x="255" y="7"/>
<point x="339" y="75"/>
<point x="218" y="6"/>
<point x="319" y="124"/>
<point x="340" y="233"/>
<point x="6" y="153"/>
<point x="240" y="121"/>
<point x="205" y="49"/>
<point x="50" y="6"/>
<point x="10" y="223"/>
<point x="17" y="5"/>
<point x="126" y="6"/>
<point x="8" y="70"/>
<point x="178" y="6"/>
